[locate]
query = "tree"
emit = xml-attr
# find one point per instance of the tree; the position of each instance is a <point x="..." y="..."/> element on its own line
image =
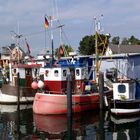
<point x="87" y="44"/>
<point x="115" y="40"/>
<point x="129" y="41"/>
<point x="134" y="41"/>
<point x="63" y="50"/>
<point x="125" y="41"/>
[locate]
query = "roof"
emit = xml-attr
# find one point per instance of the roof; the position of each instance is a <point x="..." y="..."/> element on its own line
<point x="119" y="49"/>
<point x="27" y="66"/>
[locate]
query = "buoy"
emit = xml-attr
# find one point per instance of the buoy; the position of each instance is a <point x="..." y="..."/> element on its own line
<point x="40" y="84"/>
<point x="34" y="85"/>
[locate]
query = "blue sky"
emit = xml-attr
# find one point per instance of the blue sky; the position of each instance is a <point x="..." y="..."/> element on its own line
<point x="26" y="17"/>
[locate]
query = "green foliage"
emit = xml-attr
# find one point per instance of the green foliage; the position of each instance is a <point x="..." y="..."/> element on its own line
<point x="65" y="48"/>
<point x="115" y="40"/>
<point x="125" y="41"/>
<point x="134" y="41"/>
<point x="87" y="44"/>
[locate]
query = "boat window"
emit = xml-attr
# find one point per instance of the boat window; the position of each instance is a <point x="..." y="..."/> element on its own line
<point x="46" y="73"/>
<point x="56" y="73"/>
<point x="15" y="71"/>
<point x="121" y="88"/>
<point x="64" y="73"/>
<point x="28" y="71"/>
<point x="35" y="72"/>
<point x="77" y="72"/>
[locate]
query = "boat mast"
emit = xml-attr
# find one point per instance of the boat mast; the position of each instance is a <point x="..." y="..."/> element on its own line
<point x="97" y="29"/>
<point x="52" y="43"/>
<point x="96" y="51"/>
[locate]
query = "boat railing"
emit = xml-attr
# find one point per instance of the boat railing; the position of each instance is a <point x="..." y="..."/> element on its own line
<point x="61" y="92"/>
<point x="64" y="93"/>
<point x="55" y="92"/>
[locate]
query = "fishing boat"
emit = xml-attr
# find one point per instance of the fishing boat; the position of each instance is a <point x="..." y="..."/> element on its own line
<point x="85" y="90"/>
<point x="20" y="86"/>
<point x="17" y="74"/>
<point x="125" y="98"/>
<point x="126" y="95"/>
<point x="53" y="98"/>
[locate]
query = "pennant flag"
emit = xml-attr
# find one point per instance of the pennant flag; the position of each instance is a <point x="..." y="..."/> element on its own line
<point x="46" y="23"/>
<point x="61" y="51"/>
<point x="29" y="51"/>
<point x="28" y="47"/>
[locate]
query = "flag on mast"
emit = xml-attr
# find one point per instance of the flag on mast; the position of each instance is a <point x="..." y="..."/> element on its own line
<point x="29" y="51"/>
<point x="61" y="52"/>
<point x="46" y="23"/>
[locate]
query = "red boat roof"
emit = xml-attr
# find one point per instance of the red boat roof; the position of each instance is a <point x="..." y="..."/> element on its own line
<point x="27" y="66"/>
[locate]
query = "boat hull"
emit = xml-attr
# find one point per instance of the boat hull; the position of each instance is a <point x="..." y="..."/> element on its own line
<point x="125" y="107"/>
<point x="118" y="111"/>
<point x="57" y="104"/>
<point x="6" y="99"/>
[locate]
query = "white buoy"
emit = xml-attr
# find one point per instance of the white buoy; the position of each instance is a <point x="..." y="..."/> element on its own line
<point x="40" y="84"/>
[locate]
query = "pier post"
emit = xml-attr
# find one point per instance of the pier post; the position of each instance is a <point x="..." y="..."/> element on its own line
<point x="101" y="125"/>
<point x="101" y="89"/>
<point x="18" y="90"/>
<point x="69" y="106"/>
<point x="69" y="95"/>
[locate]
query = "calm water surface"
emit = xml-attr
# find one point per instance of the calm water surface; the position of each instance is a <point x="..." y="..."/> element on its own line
<point x="93" y="125"/>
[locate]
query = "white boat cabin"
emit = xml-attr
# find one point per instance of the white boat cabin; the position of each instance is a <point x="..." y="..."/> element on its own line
<point x="55" y="78"/>
<point x="26" y="74"/>
<point x="124" y="90"/>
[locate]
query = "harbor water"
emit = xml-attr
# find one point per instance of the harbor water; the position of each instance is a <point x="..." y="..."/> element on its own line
<point x="23" y="124"/>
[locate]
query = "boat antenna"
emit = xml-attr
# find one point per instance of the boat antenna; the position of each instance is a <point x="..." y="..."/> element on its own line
<point x="17" y="36"/>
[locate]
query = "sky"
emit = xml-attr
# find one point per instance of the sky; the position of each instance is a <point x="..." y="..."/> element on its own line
<point x="26" y="18"/>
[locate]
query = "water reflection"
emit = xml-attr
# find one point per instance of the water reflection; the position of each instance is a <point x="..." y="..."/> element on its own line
<point x="93" y="125"/>
<point x="16" y="124"/>
<point x="55" y="126"/>
<point x="125" y="128"/>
